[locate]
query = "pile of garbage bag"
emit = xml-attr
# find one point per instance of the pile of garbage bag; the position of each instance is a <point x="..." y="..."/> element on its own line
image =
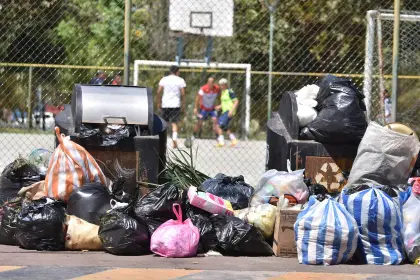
<point x="373" y="220"/>
<point x="334" y="114"/>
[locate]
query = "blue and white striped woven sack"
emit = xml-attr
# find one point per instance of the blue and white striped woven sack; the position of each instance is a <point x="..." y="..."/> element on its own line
<point x="325" y="233"/>
<point x="379" y="219"/>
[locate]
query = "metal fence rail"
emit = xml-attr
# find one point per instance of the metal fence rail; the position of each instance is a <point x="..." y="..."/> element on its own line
<point x="47" y="46"/>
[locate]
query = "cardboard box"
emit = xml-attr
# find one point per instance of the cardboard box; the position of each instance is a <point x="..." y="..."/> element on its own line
<point x="209" y="202"/>
<point x="284" y="244"/>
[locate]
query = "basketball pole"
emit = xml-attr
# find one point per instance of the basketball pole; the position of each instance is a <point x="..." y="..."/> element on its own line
<point x="127" y="32"/>
<point x="271" y="8"/>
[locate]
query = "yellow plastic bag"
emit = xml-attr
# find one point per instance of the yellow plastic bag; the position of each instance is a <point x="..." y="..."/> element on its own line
<point x="82" y="235"/>
<point x="262" y="217"/>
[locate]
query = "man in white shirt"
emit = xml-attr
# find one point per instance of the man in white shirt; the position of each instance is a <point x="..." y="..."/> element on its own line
<point x="173" y="99"/>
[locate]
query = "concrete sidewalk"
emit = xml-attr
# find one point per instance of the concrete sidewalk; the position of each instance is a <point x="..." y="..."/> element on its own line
<point x="94" y="273"/>
<point x="22" y="264"/>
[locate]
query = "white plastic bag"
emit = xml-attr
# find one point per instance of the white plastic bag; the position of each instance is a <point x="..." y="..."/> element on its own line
<point x="305" y="98"/>
<point x="308" y="92"/>
<point x="325" y="233"/>
<point x="281" y="183"/>
<point x="305" y="115"/>
<point x="262" y="217"/>
<point x="411" y="231"/>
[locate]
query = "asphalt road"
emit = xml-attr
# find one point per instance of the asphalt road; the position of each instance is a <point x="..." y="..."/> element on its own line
<point x="247" y="159"/>
<point x="23" y="264"/>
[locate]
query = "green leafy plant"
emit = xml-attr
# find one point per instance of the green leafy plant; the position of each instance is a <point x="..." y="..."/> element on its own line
<point x="180" y="169"/>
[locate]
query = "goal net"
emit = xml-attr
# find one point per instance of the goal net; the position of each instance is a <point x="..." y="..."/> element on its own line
<point x="378" y="66"/>
<point x="148" y="73"/>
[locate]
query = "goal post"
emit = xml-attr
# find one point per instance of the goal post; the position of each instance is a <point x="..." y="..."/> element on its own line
<point x="246" y="96"/>
<point x="378" y="64"/>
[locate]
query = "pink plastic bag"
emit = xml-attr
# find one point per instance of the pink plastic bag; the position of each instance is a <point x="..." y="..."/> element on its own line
<point x="175" y="239"/>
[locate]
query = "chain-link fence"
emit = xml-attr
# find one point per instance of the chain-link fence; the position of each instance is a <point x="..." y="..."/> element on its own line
<point x="47" y="46"/>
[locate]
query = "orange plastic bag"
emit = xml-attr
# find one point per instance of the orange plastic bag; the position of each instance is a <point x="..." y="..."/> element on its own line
<point x="70" y="167"/>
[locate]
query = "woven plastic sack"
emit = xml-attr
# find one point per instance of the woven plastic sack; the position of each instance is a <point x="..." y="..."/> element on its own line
<point x="325" y="233"/>
<point x="263" y="217"/>
<point x="379" y="219"/>
<point x="384" y="157"/>
<point x="70" y="167"/>
<point x="176" y="239"/>
<point x="411" y="215"/>
<point x="277" y="183"/>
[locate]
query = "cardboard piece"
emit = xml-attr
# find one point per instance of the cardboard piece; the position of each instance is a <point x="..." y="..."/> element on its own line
<point x="284" y="244"/>
<point x="209" y="202"/>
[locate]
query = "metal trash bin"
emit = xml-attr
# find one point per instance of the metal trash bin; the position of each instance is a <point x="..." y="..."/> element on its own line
<point x="323" y="163"/>
<point x="141" y="156"/>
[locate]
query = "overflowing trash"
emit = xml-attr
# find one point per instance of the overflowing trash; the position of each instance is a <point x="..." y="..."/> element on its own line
<point x="82" y="235"/>
<point x="18" y="174"/>
<point x="8" y="218"/>
<point x="175" y="238"/>
<point x="69" y="160"/>
<point x="232" y="189"/>
<point x="90" y="202"/>
<point x="40" y="225"/>
<point x="411" y="230"/>
<point x="325" y="233"/>
<point x="341" y="118"/>
<point x="121" y="234"/>
<point x="277" y="183"/>
<point x="373" y="220"/>
<point x="380" y="223"/>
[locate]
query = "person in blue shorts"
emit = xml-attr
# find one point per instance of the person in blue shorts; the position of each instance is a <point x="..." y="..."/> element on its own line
<point x="228" y="105"/>
<point x="204" y="105"/>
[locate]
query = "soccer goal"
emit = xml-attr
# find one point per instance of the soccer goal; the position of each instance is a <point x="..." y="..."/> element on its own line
<point x="244" y="70"/>
<point x="378" y="62"/>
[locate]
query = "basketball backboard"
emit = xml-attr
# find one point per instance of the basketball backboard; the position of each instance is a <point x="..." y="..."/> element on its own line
<point x="205" y="17"/>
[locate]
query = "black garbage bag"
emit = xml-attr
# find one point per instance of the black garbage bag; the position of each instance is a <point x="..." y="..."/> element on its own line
<point x="103" y="136"/>
<point x="18" y="174"/>
<point x="233" y="189"/>
<point x="319" y="191"/>
<point x="122" y="234"/>
<point x="90" y="202"/>
<point x="41" y="225"/>
<point x="156" y="207"/>
<point x="201" y="219"/>
<point x="114" y="134"/>
<point x="8" y="214"/>
<point x="416" y="169"/>
<point x="238" y="238"/>
<point x="341" y="118"/>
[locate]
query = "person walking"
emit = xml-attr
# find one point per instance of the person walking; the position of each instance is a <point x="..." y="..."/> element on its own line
<point x="228" y="105"/>
<point x="172" y="103"/>
<point x="387" y="107"/>
<point x="204" y="105"/>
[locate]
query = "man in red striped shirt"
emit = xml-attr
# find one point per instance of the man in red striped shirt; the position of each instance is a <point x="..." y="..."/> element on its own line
<point x="204" y="105"/>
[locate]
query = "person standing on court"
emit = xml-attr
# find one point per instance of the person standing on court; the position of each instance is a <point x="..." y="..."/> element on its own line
<point x="228" y="105"/>
<point x="172" y="103"/>
<point x="204" y="105"/>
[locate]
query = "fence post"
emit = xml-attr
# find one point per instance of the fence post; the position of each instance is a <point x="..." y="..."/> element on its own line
<point x="395" y="53"/>
<point x="127" y="33"/>
<point x="29" y="99"/>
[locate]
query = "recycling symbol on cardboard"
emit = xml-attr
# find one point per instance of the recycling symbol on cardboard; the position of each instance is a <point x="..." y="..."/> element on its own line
<point x="329" y="176"/>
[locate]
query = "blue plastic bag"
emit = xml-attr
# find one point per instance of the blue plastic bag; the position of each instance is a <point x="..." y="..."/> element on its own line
<point x="379" y="219"/>
<point x="325" y="233"/>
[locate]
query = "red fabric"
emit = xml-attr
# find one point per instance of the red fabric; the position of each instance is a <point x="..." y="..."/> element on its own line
<point x="208" y="97"/>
